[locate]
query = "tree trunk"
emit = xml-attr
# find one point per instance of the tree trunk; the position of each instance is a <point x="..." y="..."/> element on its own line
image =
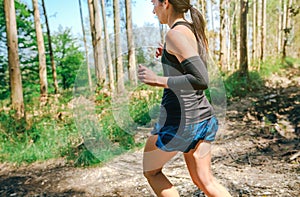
<point x="263" y="30"/>
<point x="86" y="48"/>
<point x="287" y="27"/>
<point x="130" y="42"/>
<point x="16" y="89"/>
<point x="41" y="52"/>
<point x="280" y="27"/>
<point x="254" y="26"/>
<point x="228" y="33"/>
<point x="201" y="5"/>
<point x="236" y="34"/>
<point x="162" y="32"/>
<point x="53" y="66"/>
<point x="243" y="39"/>
<point x="108" y="48"/>
<point x="222" y="36"/>
<point x="118" y="47"/>
<point x="212" y="41"/>
<point x="96" y="32"/>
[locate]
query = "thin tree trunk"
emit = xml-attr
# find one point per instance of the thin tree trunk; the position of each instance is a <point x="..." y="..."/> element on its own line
<point x="236" y="33"/>
<point x="254" y="26"/>
<point x="96" y="32"/>
<point x="41" y="52"/>
<point x="263" y="30"/>
<point x="162" y="32"/>
<point x="228" y="28"/>
<point x="280" y="27"/>
<point x="243" y="39"/>
<point x="201" y="5"/>
<point x="130" y="42"/>
<point x="53" y="66"/>
<point x="108" y="48"/>
<point x="213" y="28"/>
<point x="118" y="47"/>
<point x="86" y="48"/>
<point x="222" y="36"/>
<point x="16" y="89"/>
<point x="287" y="28"/>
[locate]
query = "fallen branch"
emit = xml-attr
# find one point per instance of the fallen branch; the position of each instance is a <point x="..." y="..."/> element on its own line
<point x="294" y="156"/>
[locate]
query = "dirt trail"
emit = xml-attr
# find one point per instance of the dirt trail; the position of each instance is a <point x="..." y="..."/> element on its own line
<point x="254" y="155"/>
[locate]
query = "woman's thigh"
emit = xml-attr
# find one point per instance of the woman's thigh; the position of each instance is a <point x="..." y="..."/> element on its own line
<point x="154" y="158"/>
<point x="198" y="161"/>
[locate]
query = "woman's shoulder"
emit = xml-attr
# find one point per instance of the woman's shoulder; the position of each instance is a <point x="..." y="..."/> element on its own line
<point x="180" y="40"/>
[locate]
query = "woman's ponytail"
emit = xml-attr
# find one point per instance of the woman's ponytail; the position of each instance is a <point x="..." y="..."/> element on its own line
<point x="199" y="26"/>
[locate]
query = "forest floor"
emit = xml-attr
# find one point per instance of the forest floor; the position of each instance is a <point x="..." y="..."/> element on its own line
<point x="256" y="154"/>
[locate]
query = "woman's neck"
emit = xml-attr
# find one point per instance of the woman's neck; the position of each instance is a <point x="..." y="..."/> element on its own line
<point x="173" y="19"/>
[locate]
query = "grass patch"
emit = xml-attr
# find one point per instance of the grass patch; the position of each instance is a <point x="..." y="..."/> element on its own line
<point x="52" y="132"/>
<point x="238" y="86"/>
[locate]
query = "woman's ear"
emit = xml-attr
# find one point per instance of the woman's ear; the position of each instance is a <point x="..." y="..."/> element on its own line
<point x="166" y="4"/>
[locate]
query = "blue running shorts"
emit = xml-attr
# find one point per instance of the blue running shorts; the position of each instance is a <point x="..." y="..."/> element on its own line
<point x="171" y="138"/>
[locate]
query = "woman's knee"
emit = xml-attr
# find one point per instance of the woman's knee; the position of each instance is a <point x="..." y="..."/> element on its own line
<point x="151" y="173"/>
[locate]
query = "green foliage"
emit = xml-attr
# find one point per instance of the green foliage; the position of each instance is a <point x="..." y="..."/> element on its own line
<point x="238" y="86"/>
<point x="145" y="105"/>
<point x="271" y="65"/>
<point x="68" y="57"/>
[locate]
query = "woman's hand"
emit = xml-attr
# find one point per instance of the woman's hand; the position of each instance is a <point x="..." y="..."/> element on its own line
<point x="159" y="50"/>
<point x="147" y="76"/>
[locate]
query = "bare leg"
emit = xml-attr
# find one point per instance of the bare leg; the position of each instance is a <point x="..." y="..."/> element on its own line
<point x="153" y="162"/>
<point x="198" y="162"/>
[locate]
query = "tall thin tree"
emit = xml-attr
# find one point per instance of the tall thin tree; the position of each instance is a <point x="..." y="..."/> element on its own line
<point x="108" y="48"/>
<point x="118" y="47"/>
<point x="53" y="66"/>
<point x="16" y="89"/>
<point x="41" y="52"/>
<point x="243" y="39"/>
<point x="96" y="31"/>
<point x="263" y="30"/>
<point x="85" y="47"/>
<point x="130" y="43"/>
<point x="212" y="40"/>
<point x="222" y="35"/>
<point x="254" y="31"/>
<point x="287" y="27"/>
<point x="280" y="26"/>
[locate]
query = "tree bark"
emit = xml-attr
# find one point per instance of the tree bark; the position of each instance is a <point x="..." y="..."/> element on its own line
<point x="130" y="43"/>
<point x="53" y="66"/>
<point x="243" y="39"/>
<point x="16" y="89"/>
<point x="96" y="31"/>
<point x="86" y="48"/>
<point x="280" y="27"/>
<point x="254" y="31"/>
<point x="41" y="52"/>
<point x="235" y="52"/>
<point x="108" y="48"/>
<point x="212" y="41"/>
<point x="263" y="30"/>
<point x="222" y="36"/>
<point x="287" y="27"/>
<point x="118" y="47"/>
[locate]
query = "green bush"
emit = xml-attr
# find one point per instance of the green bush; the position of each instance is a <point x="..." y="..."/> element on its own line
<point x="238" y="86"/>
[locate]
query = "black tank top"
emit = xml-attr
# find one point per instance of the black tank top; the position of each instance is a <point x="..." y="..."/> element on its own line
<point x="181" y="107"/>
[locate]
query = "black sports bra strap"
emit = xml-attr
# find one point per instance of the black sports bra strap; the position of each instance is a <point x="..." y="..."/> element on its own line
<point x="185" y="23"/>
